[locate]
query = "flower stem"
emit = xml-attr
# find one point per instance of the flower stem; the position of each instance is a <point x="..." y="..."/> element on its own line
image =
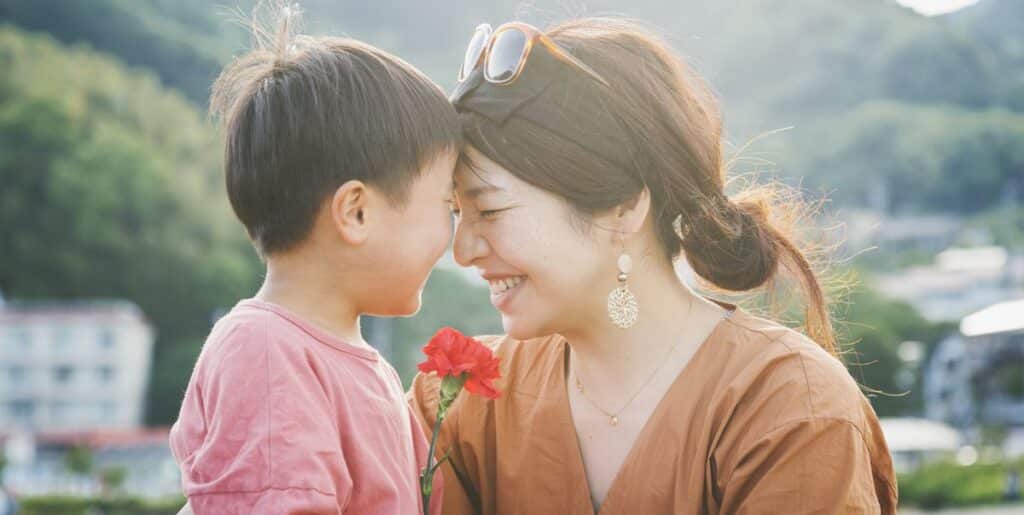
<point x="450" y="387"/>
<point x="427" y="477"/>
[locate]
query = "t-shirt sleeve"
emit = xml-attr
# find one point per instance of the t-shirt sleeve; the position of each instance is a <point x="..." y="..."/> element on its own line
<point x="459" y="492"/>
<point x="808" y="466"/>
<point x="256" y="432"/>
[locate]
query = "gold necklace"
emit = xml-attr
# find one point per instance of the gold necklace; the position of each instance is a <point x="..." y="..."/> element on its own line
<point x="613" y="418"/>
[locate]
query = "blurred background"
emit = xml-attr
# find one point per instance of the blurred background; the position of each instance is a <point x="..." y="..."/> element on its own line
<point x="118" y="249"/>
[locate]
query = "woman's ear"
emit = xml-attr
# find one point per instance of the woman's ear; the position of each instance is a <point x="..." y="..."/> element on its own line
<point x="630" y="215"/>
<point x="349" y="206"/>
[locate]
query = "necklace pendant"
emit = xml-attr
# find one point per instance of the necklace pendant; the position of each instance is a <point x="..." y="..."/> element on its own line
<point x="614" y="420"/>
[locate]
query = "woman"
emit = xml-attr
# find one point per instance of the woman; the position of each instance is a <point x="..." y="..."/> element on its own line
<point x="593" y="163"/>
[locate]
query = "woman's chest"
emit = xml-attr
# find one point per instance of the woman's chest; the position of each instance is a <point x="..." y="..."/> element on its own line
<point x="630" y="468"/>
<point x="606" y="442"/>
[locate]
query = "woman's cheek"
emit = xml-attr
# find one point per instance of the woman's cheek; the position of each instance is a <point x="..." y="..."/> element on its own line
<point x="507" y="239"/>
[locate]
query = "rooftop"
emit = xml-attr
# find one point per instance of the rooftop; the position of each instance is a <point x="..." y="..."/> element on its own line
<point x="92" y="309"/>
<point x="918" y="434"/>
<point x="1003" y="317"/>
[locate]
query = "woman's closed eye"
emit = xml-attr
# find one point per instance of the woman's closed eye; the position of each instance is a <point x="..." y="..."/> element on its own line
<point x="481" y="214"/>
<point x="487" y="214"/>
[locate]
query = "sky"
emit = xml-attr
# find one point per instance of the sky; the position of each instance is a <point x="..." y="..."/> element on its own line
<point x="934" y="7"/>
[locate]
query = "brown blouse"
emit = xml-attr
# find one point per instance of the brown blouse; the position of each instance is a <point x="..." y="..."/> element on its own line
<point x="761" y="420"/>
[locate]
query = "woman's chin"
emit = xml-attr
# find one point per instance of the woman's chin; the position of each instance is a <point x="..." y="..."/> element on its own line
<point x="522" y="328"/>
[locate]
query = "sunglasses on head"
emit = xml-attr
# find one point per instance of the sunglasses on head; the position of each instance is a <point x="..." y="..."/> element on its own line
<point x="503" y="53"/>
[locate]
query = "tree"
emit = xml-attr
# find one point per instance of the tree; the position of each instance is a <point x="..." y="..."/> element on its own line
<point x="111" y="479"/>
<point x="79" y="460"/>
<point x="872" y="328"/>
<point x="112" y="190"/>
<point x="924" y="158"/>
<point x="183" y="42"/>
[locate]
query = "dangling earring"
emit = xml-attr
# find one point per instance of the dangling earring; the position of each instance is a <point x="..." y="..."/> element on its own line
<point x="623" y="309"/>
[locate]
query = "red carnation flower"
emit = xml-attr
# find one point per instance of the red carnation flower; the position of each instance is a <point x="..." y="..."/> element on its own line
<point x="451" y="353"/>
<point x="459" y="361"/>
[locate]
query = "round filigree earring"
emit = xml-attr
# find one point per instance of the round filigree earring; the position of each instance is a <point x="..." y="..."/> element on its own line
<point x="623" y="309"/>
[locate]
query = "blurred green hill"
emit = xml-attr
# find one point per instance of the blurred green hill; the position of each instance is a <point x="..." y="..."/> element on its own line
<point x="803" y="64"/>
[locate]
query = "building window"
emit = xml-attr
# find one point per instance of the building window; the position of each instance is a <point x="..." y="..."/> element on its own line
<point x="62" y="338"/>
<point x="105" y="374"/>
<point x="106" y="338"/>
<point x="22" y="410"/>
<point x="63" y="374"/>
<point x="60" y="410"/>
<point x="20" y="339"/>
<point x="108" y="410"/>
<point x="16" y="375"/>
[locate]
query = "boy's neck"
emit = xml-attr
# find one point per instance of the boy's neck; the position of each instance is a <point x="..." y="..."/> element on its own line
<point x="306" y="288"/>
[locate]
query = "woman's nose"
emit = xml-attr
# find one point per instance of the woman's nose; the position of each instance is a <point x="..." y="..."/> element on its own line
<point x="468" y="245"/>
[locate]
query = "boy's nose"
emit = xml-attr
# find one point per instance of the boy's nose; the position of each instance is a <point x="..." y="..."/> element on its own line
<point x="468" y="246"/>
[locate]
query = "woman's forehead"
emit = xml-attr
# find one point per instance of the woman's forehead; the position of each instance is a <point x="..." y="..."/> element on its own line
<point x="475" y="171"/>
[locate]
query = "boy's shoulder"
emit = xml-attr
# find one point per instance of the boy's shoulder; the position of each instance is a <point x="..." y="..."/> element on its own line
<point x="249" y="334"/>
<point x="261" y="332"/>
<point x="247" y="323"/>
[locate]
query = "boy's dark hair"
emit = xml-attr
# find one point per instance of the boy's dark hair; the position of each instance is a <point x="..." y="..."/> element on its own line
<point x="303" y="115"/>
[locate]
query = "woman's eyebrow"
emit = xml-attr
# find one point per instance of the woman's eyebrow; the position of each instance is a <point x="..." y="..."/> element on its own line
<point x="476" y="191"/>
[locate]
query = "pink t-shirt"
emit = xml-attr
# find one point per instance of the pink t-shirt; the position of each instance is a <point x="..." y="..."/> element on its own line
<point x="281" y="417"/>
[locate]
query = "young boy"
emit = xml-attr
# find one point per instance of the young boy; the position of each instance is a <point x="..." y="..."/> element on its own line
<point x="339" y="162"/>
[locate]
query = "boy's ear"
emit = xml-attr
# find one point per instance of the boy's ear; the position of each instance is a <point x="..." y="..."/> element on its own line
<point x="348" y="211"/>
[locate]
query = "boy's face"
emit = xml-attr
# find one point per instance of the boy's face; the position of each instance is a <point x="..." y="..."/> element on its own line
<point x="410" y="238"/>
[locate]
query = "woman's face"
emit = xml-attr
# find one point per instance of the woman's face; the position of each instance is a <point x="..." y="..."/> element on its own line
<point x="545" y="271"/>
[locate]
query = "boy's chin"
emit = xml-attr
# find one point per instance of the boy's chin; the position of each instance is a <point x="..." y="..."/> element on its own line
<point x="413" y="310"/>
<point x="409" y="308"/>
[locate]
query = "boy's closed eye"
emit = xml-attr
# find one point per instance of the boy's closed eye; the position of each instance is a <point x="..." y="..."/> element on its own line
<point x="453" y="206"/>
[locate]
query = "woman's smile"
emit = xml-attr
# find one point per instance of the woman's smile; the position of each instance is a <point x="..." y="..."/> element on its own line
<point x="504" y="289"/>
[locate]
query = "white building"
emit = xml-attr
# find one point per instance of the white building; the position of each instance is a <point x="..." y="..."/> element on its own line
<point x="73" y="365"/>
<point x="865" y="229"/>
<point x="914" y="442"/>
<point x="959" y="282"/>
<point x="38" y="462"/>
<point x="995" y="339"/>
<point x="976" y="377"/>
<point x="947" y="383"/>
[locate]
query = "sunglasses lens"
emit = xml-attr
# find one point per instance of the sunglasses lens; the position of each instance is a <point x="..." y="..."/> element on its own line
<point x="473" y="51"/>
<point x="505" y="55"/>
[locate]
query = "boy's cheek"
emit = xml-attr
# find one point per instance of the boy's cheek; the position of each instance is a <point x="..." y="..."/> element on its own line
<point x="440" y="227"/>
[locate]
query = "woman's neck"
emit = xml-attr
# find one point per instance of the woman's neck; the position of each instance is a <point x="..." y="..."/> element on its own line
<point x="617" y="361"/>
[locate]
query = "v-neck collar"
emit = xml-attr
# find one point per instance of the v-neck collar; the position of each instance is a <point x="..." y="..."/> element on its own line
<point x="612" y="496"/>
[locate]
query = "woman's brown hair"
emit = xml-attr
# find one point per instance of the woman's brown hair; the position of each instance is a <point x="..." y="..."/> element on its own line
<point x="675" y="151"/>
